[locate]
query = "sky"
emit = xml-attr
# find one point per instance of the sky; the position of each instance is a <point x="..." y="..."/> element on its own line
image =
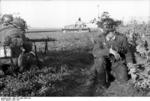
<point x="58" y="13"/>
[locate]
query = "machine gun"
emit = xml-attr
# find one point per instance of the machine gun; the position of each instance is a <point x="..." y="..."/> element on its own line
<point x="42" y="39"/>
<point x="46" y="40"/>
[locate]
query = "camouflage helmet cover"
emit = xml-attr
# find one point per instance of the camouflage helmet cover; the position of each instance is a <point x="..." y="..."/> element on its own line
<point x="19" y="23"/>
<point x="108" y="21"/>
<point x="7" y="18"/>
<point x="111" y="22"/>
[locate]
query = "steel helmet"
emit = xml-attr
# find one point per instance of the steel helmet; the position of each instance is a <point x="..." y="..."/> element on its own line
<point x="7" y="18"/>
<point x="108" y="21"/>
<point x="19" y="23"/>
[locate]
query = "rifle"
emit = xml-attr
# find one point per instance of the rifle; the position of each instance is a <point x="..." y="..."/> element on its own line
<point x="42" y="40"/>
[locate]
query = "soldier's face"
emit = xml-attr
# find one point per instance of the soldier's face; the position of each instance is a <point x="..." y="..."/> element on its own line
<point x="110" y="35"/>
<point x="107" y="27"/>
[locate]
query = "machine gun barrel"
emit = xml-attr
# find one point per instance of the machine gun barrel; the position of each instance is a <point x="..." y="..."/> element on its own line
<point x="45" y="40"/>
<point x="42" y="40"/>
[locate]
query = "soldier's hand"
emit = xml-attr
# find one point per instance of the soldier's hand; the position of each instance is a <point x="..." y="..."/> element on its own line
<point x="22" y="49"/>
<point x="115" y="53"/>
<point x="130" y="65"/>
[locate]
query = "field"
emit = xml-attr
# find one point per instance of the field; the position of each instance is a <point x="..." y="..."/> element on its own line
<point x="64" y="70"/>
<point x="66" y="41"/>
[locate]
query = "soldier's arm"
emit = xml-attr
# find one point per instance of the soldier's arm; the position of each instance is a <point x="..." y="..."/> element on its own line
<point x="126" y="50"/>
<point x="100" y="50"/>
<point x="7" y="41"/>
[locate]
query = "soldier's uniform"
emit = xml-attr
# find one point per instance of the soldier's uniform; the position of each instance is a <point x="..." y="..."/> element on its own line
<point x="105" y="63"/>
<point x="119" y="67"/>
<point x="14" y="37"/>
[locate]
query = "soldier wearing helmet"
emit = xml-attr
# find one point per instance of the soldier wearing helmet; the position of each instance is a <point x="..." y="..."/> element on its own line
<point x="7" y="19"/>
<point x="19" y="23"/>
<point x="112" y="55"/>
<point x="13" y="36"/>
<point x="25" y="57"/>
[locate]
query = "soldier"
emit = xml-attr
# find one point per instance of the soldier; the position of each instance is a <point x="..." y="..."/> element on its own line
<point x="13" y="36"/>
<point x="112" y="56"/>
<point x="6" y="20"/>
<point x="132" y="38"/>
<point x="26" y="56"/>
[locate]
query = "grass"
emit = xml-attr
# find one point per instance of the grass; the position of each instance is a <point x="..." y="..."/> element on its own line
<point x="60" y="74"/>
<point x="63" y="73"/>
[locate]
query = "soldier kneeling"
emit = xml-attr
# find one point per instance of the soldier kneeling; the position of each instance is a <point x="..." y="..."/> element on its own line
<point x="116" y="44"/>
<point x="13" y="37"/>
